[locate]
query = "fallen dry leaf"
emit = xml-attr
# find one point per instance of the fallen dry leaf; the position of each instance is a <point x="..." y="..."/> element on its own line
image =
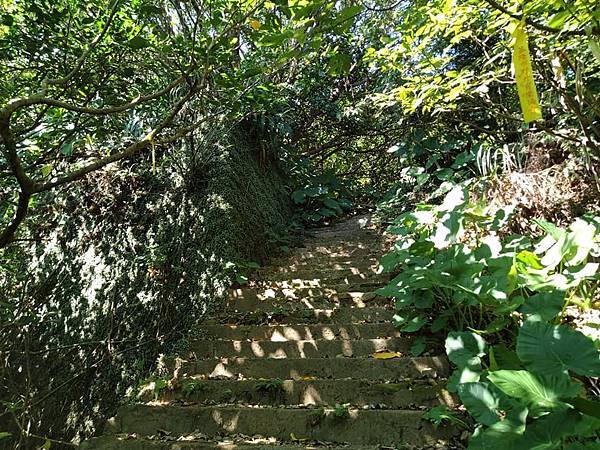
<point x="386" y="355"/>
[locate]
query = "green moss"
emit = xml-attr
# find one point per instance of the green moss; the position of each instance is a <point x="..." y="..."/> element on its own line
<point x="134" y="262"/>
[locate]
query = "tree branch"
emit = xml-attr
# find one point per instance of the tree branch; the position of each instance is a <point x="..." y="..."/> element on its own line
<point x="42" y="100"/>
<point x="64" y="80"/>
<point x="494" y="4"/>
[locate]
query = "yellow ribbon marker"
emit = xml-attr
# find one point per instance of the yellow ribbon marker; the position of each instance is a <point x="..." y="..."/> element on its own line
<point x="528" y="96"/>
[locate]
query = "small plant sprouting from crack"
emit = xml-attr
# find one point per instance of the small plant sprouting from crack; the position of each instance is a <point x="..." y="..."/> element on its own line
<point x="341" y="412"/>
<point x="192" y="386"/>
<point x="271" y="386"/>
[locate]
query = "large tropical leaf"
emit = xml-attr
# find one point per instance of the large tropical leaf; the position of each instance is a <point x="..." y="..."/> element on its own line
<point x="539" y="393"/>
<point x="462" y="346"/>
<point x="491" y="407"/>
<point x="549" y="431"/>
<point x="556" y="349"/>
<point x="544" y="305"/>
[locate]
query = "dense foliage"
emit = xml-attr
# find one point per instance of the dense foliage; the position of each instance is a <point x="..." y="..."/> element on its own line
<point x="151" y="151"/>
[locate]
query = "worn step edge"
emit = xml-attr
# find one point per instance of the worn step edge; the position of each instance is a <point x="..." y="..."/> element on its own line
<point x="306" y="279"/>
<point x="314" y="300"/>
<point x="351" y="274"/>
<point x="307" y="315"/>
<point x="313" y="348"/>
<point x="332" y="368"/>
<point x="323" y="260"/>
<point x="360" y="427"/>
<point x="267" y="291"/>
<point x="282" y="333"/>
<point x="358" y="393"/>
<point x="136" y="442"/>
<point x="282" y="265"/>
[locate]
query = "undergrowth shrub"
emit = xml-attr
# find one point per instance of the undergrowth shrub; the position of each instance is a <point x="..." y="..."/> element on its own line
<point x="504" y="301"/>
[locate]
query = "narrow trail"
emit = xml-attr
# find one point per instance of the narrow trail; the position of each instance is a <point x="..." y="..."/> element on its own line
<point x="289" y="363"/>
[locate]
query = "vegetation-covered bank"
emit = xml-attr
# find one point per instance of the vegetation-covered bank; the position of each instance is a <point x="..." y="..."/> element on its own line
<point x="144" y="255"/>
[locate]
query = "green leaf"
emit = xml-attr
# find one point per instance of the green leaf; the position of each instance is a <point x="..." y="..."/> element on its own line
<point x="423" y="299"/>
<point x="67" y="148"/>
<point x="491" y="439"/>
<point x="418" y="346"/>
<point x="414" y="324"/>
<point x="499" y="323"/>
<point x="438" y="414"/>
<point x="581" y="240"/>
<point x="559" y="19"/>
<point x="326" y="212"/>
<point x="550" y="228"/>
<point x="585" y="406"/>
<point x="506" y="359"/>
<point x="298" y="196"/>
<point x="556" y="349"/>
<point x="333" y="204"/>
<point x="315" y="191"/>
<point x="548" y="432"/>
<point x="530" y="258"/>
<point x="440" y="322"/>
<point x="392" y="291"/>
<point x="491" y="407"/>
<point x="444" y="174"/>
<point x="138" y="42"/>
<point x="540" y="394"/>
<point x="4" y="435"/>
<point x="47" y="170"/>
<point x="544" y="306"/>
<point x="461" y="346"/>
<point x="471" y="372"/>
<point x="340" y="64"/>
<point x="348" y="13"/>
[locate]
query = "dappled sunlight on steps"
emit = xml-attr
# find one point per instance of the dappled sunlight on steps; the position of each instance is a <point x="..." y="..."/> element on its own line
<point x="288" y="362"/>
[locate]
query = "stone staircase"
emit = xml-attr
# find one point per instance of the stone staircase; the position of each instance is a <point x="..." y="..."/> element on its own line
<point x="291" y="361"/>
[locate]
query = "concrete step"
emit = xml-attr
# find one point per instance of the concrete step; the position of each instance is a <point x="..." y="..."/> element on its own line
<point x="285" y="266"/>
<point x="359" y="258"/>
<point x="336" y="280"/>
<point x="324" y="255"/>
<point x="125" y="441"/>
<point x="342" y="244"/>
<point x="282" y="333"/>
<point x="325" y="368"/>
<point x="348" y="275"/>
<point x="307" y="315"/>
<point x="265" y="299"/>
<point x="313" y="348"/>
<point x="363" y="427"/>
<point x="358" y="393"/>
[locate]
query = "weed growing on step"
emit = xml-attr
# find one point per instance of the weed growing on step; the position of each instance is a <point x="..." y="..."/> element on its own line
<point x="226" y="395"/>
<point x="192" y="386"/>
<point x="269" y="386"/>
<point x="341" y="412"/>
<point x="442" y="414"/>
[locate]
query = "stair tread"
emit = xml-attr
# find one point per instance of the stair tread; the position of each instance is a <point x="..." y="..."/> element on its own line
<point x="193" y="442"/>
<point x="299" y="331"/>
<point x="303" y="348"/>
<point x="318" y="392"/>
<point x="270" y="368"/>
<point x="359" y="426"/>
<point x="333" y="368"/>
